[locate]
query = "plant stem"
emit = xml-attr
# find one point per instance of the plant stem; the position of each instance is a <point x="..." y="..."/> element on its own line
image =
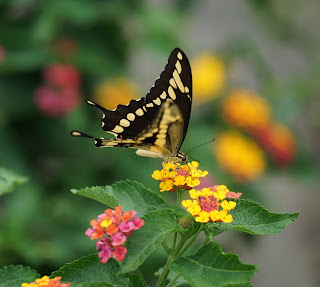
<point x="191" y="241"/>
<point x="174" y="240"/>
<point x="141" y="278"/>
<point x="203" y="243"/>
<point x="166" y="248"/>
<point x="179" y="192"/>
<point x="165" y="271"/>
<point x="173" y="280"/>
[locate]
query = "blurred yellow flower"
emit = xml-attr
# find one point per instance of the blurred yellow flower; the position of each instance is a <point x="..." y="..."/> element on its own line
<point x="117" y="91"/>
<point x="208" y="75"/>
<point x="246" y="109"/>
<point x="239" y="156"/>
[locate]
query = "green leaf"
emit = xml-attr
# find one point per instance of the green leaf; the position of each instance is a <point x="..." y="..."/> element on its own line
<point x="14" y="276"/>
<point x="158" y="225"/>
<point x="211" y="267"/>
<point x="9" y="180"/>
<point x="251" y="217"/>
<point x="129" y="194"/>
<point x="88" y="269"/>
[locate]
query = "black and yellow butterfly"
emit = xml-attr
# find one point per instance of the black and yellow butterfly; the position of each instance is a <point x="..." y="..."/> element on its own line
<point x="157" y="124"/>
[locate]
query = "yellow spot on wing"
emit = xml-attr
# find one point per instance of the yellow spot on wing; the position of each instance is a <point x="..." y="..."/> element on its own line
<point x="177" y="79"/>
<point x="173" y="83"/>
<point x="124" y="123"/>
<point x="163" y="95"/>
<point x="149" y="105"/>
<point x="139" y="112"/>
<point x="178" y="67"/>
<point x="171" y="93"/>
<point x="157" y="101"/>
<point x="117" y="129"/>
<point x="179" y="55"/>
<point x="131" y="117"/>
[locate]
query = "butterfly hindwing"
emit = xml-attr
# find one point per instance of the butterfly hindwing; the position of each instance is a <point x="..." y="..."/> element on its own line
<point x="157" y="123"/>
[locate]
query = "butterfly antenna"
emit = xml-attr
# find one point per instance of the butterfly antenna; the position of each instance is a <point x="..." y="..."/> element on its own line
<point x="201" y="145"/>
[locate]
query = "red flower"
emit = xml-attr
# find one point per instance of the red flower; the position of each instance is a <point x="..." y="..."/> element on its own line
<point x="62" y="75"/>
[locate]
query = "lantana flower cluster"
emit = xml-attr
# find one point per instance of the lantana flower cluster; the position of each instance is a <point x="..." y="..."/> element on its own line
<point x="209" y="77"/>
<point x="239" y="156"/>
<point x="60" y="93"/>
<point x="211" y="204"/>
<point x="119" y="90"/>
<point x="250" y="112"/>
<point x="112" y="228"/>
<point x="175" y="176"/>
<point x="45" y="281"/>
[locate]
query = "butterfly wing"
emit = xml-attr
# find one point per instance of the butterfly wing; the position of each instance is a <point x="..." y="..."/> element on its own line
<point x="138" y="124"/>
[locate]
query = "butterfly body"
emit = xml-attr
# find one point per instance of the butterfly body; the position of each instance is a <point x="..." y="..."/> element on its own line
<point x="155" y="125"/>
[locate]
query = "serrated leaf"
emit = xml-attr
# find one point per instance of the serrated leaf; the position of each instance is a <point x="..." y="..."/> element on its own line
<point x="129" y="194"/>
<point x="14" y="276"/>
<point x="251" y="217"/>
<point x="211" y="267"/>
<point x="9" y="180"/>
<point x="158" y="225"/>
<point x="88" y="269"/>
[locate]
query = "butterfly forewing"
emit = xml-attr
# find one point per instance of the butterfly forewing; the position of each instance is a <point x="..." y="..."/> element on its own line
<point x="157" y="123"/>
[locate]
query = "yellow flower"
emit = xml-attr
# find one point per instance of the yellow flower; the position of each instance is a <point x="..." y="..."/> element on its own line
<point x="203" y="217"/>
<point x="46" y="281"/>
<point x="246" y="109"/>
<point x="239" y="156"/>
<point x="208" y="207"/>
<point x="214" y="215"/>
<point x="175" y="176"/>
<point x="166" y="185"/>
<point x="208" y="75"/>
<point x="106" y="223"/>
<point x="114" y="92"/>
<point x="194" y="209"/>
<point x="228" y="205"/>
<point x="225" y="217"/>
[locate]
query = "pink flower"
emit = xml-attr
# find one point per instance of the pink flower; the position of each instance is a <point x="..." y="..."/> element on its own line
<point x="234" y="195"/>
<point x="126" y="226"/>
<point x="56" y="102"/>
<point x="138" y="222"/>
<point x="62" y="75"/>
<point x="2" y="54"/>
<point x="119" y="253"/>
<point x="105" y="253"/>
<point x="118" y="239"/>
<point x="89" y="232"/>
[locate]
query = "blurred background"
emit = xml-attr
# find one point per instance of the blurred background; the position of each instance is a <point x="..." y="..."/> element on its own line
<point x="256" y="77"/>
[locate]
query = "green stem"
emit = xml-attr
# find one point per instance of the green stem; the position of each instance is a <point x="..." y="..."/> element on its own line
<point x="191" y="241"/>
<point x="173" y="280"/>
<point x="174" y="240"/>
<point x="165" y="271"/>
<point x="203" y="244"/>
<point x="166" y="248"/>
<point x="179" y="192"/>
<point x="141" y="278"/>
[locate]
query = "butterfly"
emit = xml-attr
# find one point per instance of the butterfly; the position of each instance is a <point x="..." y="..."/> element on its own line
<point x="156" y="124"/>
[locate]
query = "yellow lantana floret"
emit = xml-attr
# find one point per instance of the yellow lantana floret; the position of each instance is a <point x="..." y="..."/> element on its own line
<point x="179" y="180"/>
<point x="194" y="209"/>
<point x="203" y="217"/>
<point x="166" y="185"/>
<point x="214" y="215"/>
<point x="157" y="175"/>
<point x="225" y="217"/>
<point x="106" y="223"/>
<point x="194" y="193"/>
<point x="228" y="205"/>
